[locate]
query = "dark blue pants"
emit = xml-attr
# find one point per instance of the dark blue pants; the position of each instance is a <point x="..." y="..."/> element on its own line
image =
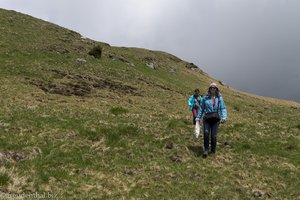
<point x="212" y="130"/>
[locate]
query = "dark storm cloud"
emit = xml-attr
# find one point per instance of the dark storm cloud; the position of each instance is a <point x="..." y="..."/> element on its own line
<point x="252" y="45"/>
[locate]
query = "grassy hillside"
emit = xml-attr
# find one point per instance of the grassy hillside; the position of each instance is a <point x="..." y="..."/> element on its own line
<point x="118" y="127"/>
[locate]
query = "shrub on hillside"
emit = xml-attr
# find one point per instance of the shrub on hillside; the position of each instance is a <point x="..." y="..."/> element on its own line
<point x="96" y="51"/>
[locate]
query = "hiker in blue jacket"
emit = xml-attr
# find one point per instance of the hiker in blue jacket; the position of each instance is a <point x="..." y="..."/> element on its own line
<point x="213" y="111"/>
<point x="194" y="104"/>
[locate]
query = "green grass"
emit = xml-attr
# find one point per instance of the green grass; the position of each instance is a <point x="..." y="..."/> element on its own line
<point x="112" y="143"/>
<point x="4" y="179"/>
<point x="177" y="123"/>
<point x="118" y="110"/>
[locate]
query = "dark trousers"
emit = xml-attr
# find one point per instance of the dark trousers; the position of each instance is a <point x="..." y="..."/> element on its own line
<point x="212" y="130"/>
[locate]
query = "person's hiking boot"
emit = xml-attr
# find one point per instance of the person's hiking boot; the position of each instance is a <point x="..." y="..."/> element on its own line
<point x="205" y="153"/>
<point x="212" y="152"/>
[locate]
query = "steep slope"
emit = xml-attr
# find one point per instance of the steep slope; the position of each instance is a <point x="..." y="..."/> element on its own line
<point x="117" y="127"/>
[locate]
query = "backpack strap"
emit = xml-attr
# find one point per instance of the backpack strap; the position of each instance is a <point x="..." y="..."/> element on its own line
<point x="218" y="104"/>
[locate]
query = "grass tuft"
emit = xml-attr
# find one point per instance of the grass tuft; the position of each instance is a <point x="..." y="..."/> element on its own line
<point x="4" y="179"/>
<point x="115" y="134"/>
<point x="178" y="123"/>
<point x="118" y="110"/>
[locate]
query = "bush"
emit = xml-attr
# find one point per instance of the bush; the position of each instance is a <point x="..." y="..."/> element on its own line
<point x="96" y="52"/>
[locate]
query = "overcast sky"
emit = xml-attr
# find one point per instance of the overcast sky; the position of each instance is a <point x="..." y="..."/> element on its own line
<point x="251" y="45"/>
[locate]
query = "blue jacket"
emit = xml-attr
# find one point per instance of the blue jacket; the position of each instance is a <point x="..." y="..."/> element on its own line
<point x="191" y="102"/>
<point x="207" y="107"/>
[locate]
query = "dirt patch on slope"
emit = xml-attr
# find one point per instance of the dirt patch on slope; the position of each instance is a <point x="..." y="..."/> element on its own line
<point x="71" y="84"/>
<point x="11" y="156"/>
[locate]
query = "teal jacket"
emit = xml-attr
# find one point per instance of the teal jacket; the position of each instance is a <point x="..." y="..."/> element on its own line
<point x="191" y="102"/>
<point x="206" y="107"/>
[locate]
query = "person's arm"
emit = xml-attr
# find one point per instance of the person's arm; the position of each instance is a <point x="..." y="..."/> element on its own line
<point x="223" y="110"/>
<point x="201" y="110"/>
<point x="201" y="100"/>
<point x="191" y="102"/>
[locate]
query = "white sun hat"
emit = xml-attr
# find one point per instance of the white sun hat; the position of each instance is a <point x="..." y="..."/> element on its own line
<point x="213" y="85"/>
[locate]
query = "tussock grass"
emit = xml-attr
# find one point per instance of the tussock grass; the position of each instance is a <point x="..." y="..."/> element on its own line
<point x="178" y="123"/>
<point x="118" y="110"/>
<point x="4" y="179"/>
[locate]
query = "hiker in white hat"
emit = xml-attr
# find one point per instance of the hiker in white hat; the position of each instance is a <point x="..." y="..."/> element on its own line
<point x="213" y="111"/>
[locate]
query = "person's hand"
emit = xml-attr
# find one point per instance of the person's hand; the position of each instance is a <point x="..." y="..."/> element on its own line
<point x="223" y="121"/>
<point x="201" y="122"/>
